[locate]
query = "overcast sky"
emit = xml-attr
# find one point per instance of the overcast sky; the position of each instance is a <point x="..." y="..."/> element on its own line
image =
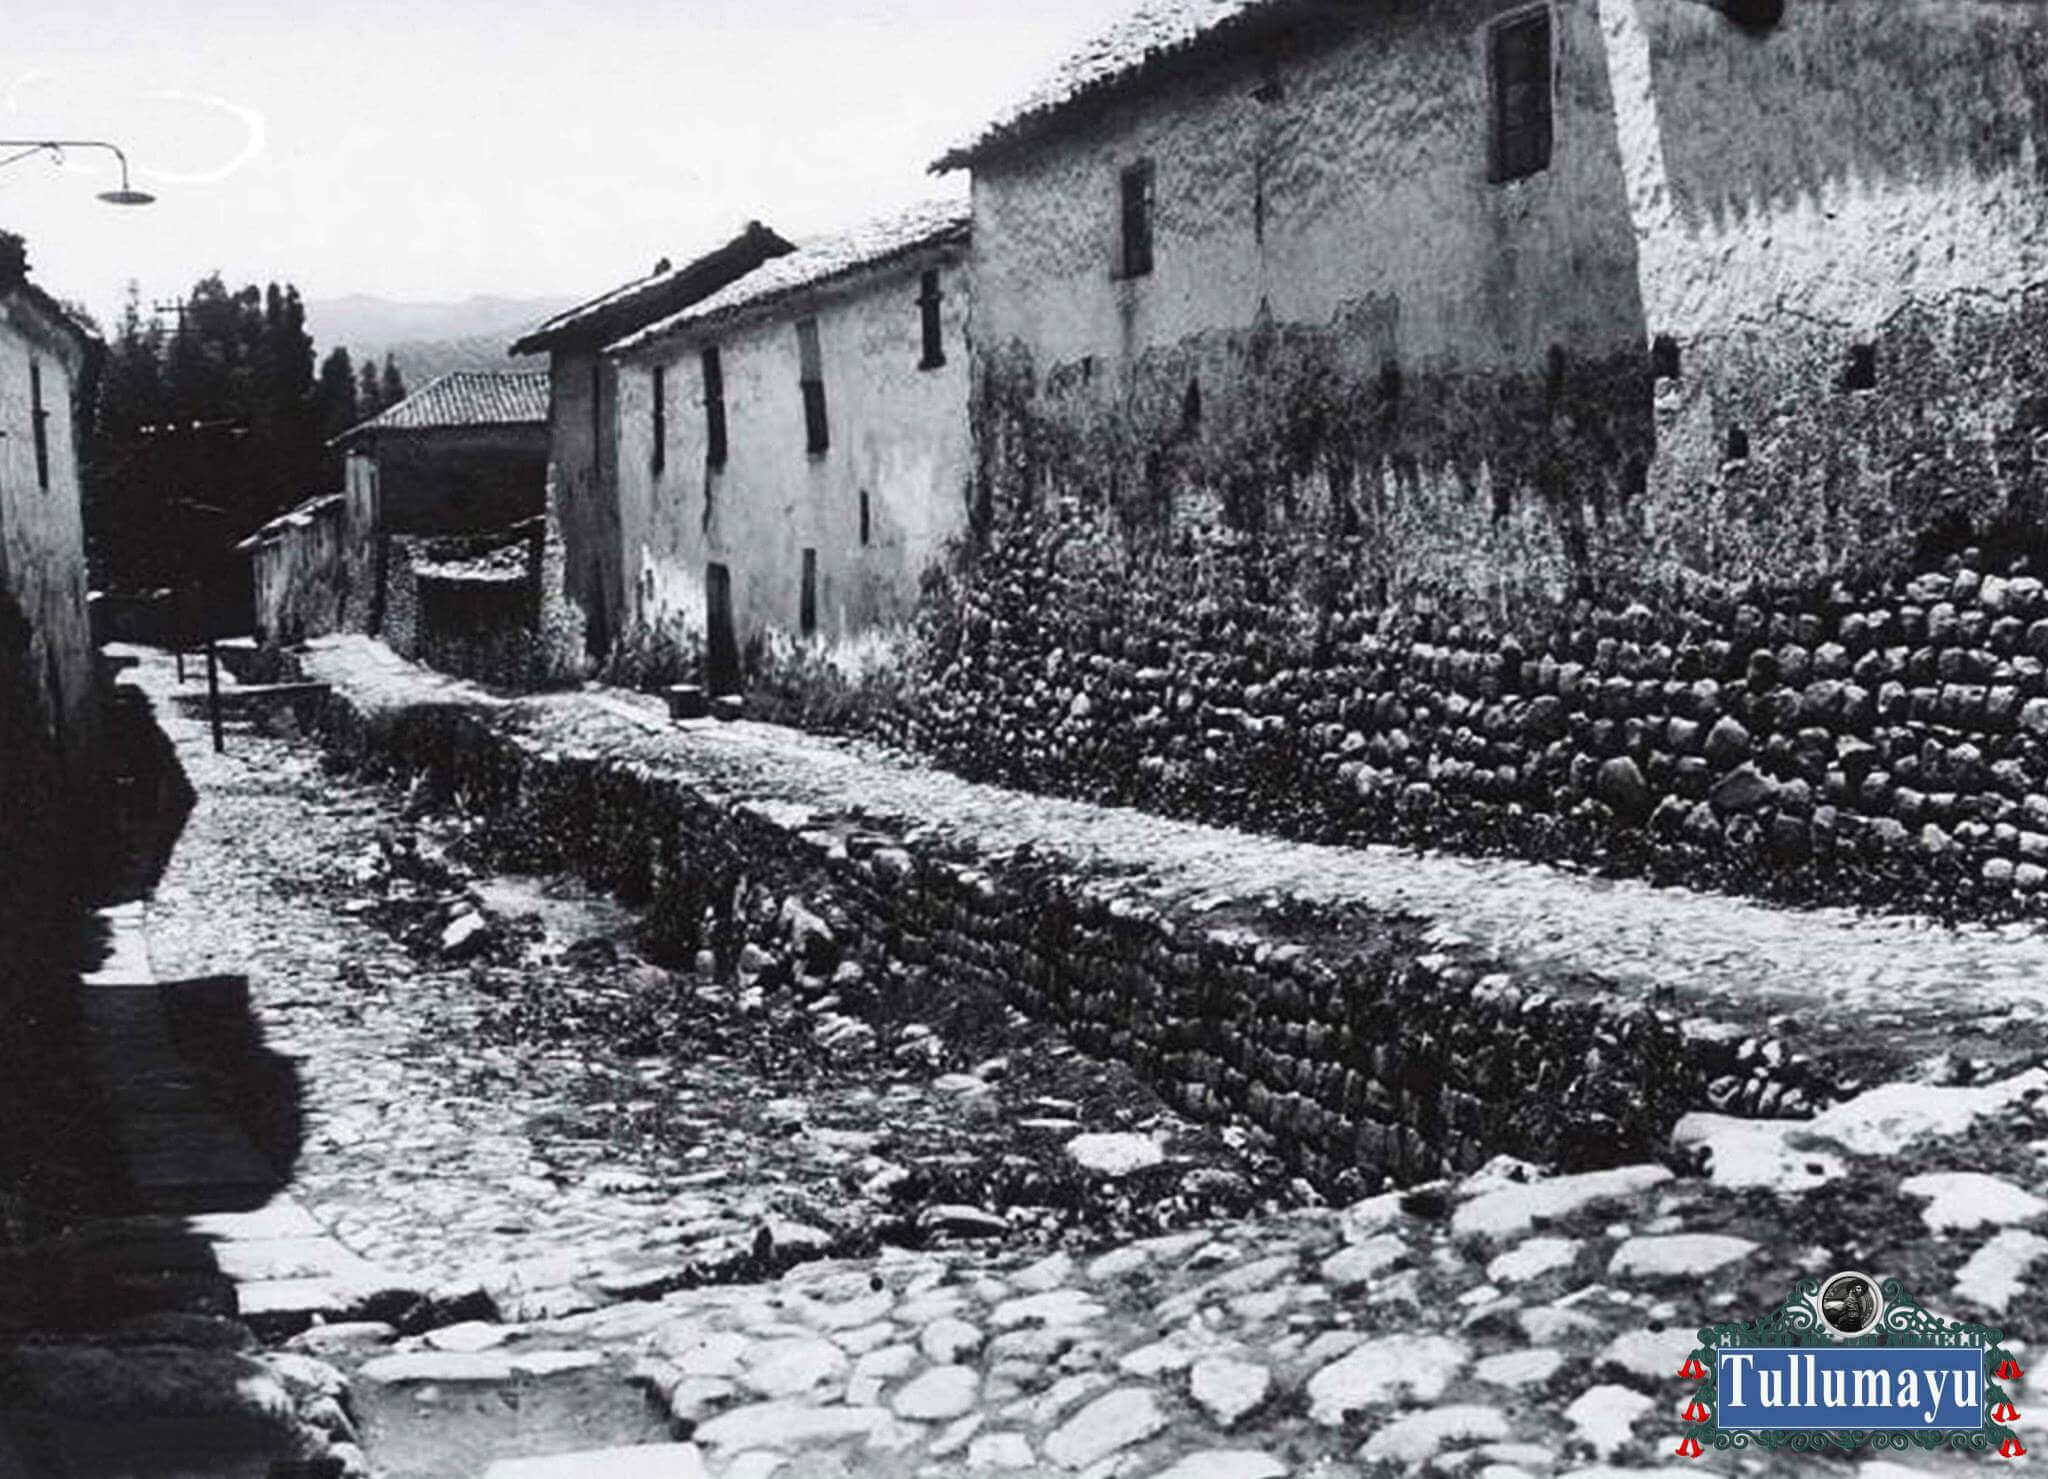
<point x="432" y="149"/>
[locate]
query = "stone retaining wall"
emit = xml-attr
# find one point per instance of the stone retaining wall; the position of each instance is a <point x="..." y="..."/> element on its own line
<point x="1881" y="742"/>
<point x="1364" y="1044"/>
<point x="468" y="605"/>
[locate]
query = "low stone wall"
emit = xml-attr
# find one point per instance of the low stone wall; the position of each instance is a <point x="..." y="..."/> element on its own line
<point x="469" y="605"/>
<point x="1365" y="1045"/>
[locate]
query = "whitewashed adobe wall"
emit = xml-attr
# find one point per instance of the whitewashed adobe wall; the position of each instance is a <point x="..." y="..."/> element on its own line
<point x="898" y="435"/>
<point x="1867" y="175"/>
<point x="43" y="560"/>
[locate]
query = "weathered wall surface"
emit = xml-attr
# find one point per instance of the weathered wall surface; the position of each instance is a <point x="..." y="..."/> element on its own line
<point x="899" y="438"/>
<point x="582" y="499"/>
<point x="301" y="576"/>
<point x="1385" y="342"/>
<point x="1348" y="322"/>
<point x="42" y="533"/>
<point x="362" y="549"/>
<point x="1867" y="175"/>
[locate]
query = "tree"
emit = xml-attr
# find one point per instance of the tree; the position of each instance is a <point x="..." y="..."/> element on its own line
<point x="335" y="394"/>
<point x="203" y="433"/>
<point x="370" y="400"/>
<point x="394" y="383"/>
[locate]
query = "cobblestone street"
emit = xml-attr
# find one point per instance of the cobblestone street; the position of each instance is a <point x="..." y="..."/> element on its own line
<point x="705" y="1260"/>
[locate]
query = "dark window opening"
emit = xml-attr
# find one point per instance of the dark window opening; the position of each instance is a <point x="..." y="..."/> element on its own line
<point x="39" y="423"/>
<point x="1664" y="359"/>
<point x="928" y="300"/>
<point x="721" y="643"/>
<point x="866" y="527"/>
<point x="1738" y="444"/>
<point x="817" y="433"/>
<point x="1137" y="219"/>
<point x="1191" y="408"/>
<point x="1519" y="59"/>
<point x="807" y="606"/>
<point x="714" y="408"/>
<point x="660" y="418"/>
<point x="1862" y="371"/>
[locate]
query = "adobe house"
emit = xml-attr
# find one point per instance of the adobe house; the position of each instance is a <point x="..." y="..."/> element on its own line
<point x="1525" y="297"/>
<point x="463" y="454"/>
<point x="43" y="351"/>
<point x="51" y="752"/>
<point x="582" y="501"/>
<point x="794" y="450"/>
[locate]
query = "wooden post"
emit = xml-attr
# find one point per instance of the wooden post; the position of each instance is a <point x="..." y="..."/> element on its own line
<point x="213" y="692"/>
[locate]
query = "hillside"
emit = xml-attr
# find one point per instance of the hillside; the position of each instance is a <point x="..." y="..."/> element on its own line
<point x="429" y="339"/>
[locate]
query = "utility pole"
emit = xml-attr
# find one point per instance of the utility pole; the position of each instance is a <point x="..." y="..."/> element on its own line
<point x="173" y="305"/>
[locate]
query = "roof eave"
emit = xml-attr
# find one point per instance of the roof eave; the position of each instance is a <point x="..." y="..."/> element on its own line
<point x="643" y="340"/>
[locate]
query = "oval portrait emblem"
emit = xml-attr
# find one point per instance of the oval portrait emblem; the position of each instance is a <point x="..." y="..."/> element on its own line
<point x="1850" y="1304"/>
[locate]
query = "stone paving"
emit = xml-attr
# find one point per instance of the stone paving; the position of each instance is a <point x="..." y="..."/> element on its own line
<point x="1512" y="1324"/>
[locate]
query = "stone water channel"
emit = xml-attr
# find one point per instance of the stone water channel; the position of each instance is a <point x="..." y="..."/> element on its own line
<point x="621" y="1202"/>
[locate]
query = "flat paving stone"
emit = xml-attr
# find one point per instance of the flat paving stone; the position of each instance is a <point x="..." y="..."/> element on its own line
<point x="1419" y="1367"/>
<point x="1677" y="1255"/>
<point x="435" y="1366"/>
<point x="1111" y="1422"/>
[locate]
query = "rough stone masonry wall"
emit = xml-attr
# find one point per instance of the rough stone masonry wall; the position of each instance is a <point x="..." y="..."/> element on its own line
<point x="1884" y="742"/>
<point x="1359" y="1047"/>
<point x="470" y="606"/>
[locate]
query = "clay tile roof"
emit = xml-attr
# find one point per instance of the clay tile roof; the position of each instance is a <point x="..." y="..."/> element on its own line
<point x="467" y="398"/>
<point x="642" y="301"/>
<point x="1155" y="31"/>
<point x="817" y="263"/>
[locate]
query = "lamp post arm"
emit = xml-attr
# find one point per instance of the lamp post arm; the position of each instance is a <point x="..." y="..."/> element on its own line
<point x="56" y="148"/>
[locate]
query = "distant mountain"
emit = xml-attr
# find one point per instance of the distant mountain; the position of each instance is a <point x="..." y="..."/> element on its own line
<point x="429" y="339"/>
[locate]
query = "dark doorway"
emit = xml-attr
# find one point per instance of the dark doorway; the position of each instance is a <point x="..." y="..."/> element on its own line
<point x="721" y="648"/>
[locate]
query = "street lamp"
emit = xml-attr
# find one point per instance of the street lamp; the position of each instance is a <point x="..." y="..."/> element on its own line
<point x="55" y="148"/>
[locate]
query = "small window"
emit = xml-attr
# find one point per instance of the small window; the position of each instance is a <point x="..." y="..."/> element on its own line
<point x="928" y="300"/>
<point x="660" y="418"/>
<point x="1862" y="371"/>
<point x="1137" y="219"/>
<point x="817" y="435"/>
<point x="39" y="423"/>
<point x="807" y="605"/>
<point x="866" y="528"/>
<point x="1519" y="59"/>
<point x="714" y="408"/>
<point x="1738" y="445"/>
